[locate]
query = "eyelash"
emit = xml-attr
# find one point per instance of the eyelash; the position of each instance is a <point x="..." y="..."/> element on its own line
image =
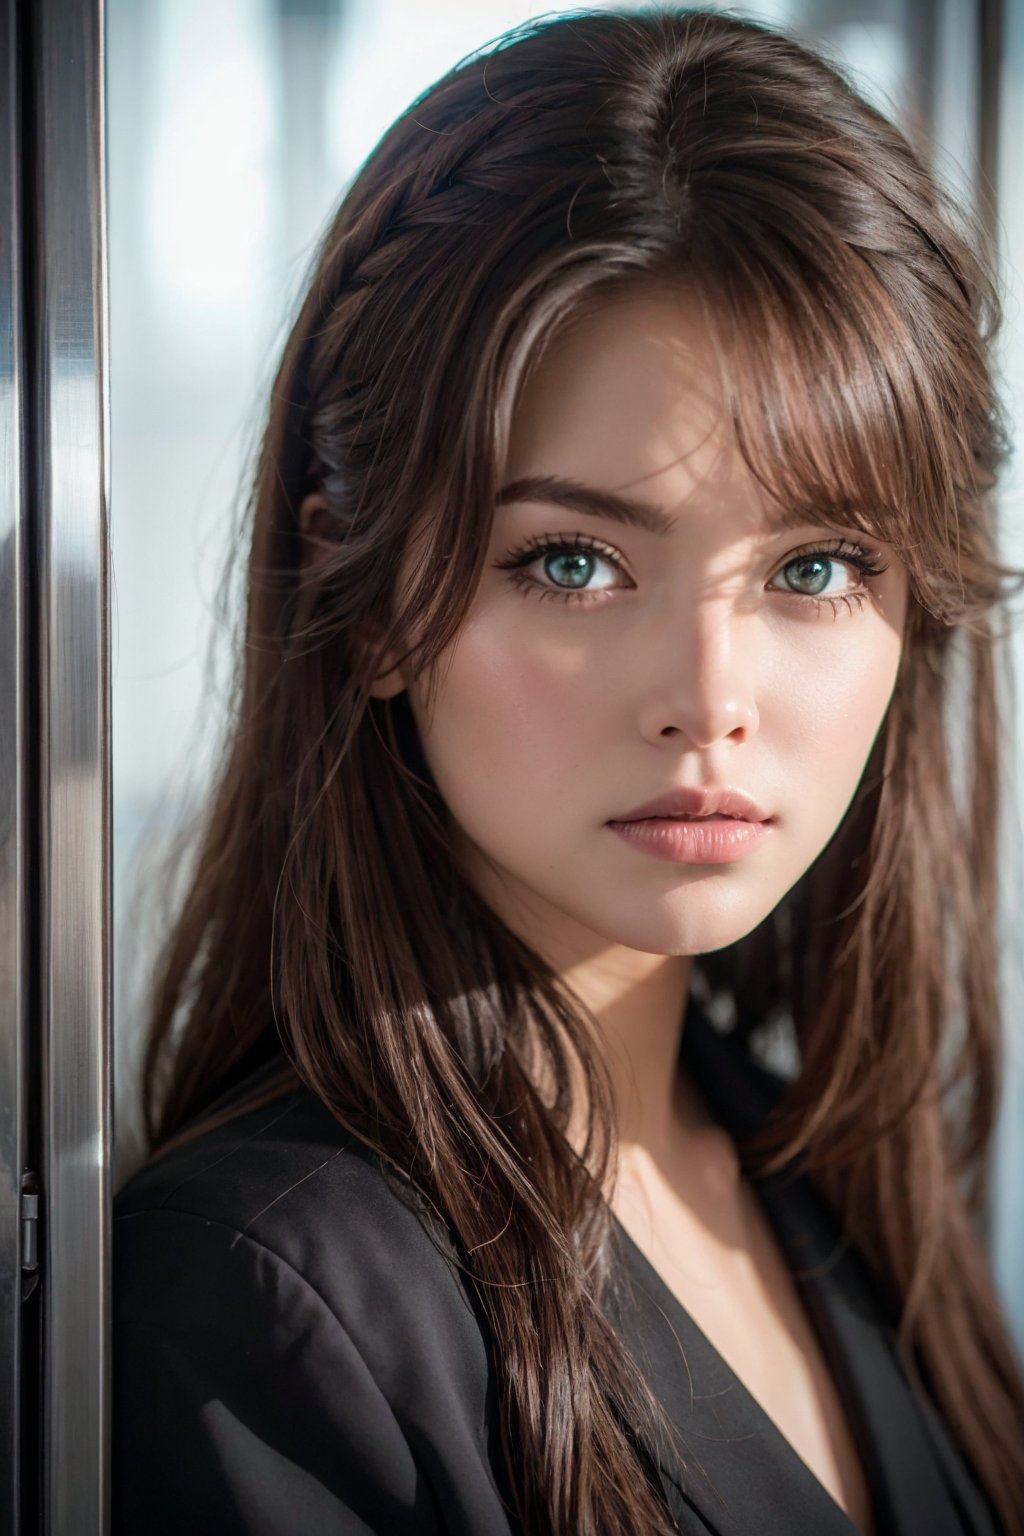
<point x="870" y="564"/>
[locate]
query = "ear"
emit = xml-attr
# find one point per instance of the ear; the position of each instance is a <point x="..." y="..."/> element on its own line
<point x="315" y="524"/>
<point x="389" y="682"/>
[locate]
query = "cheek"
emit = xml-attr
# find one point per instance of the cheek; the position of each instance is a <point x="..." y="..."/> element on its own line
<point x="510" y="696"/>
<point x="826" y="710"/>
<point x="515" y="709"/>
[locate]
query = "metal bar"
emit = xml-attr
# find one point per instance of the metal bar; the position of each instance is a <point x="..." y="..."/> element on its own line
<point x="991" y="30"/>
<point x="14" y="858"/>
<point x="69" y="513"/>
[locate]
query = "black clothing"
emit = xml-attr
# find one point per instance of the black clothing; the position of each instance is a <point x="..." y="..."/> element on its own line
<point x="296" y="1355"/>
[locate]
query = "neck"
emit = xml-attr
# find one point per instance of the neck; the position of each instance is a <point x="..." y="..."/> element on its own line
<point x="638" y="1001"/>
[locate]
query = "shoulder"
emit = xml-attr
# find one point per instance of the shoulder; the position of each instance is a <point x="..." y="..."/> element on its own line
<point x="284" y="1316"/>
<point x="287" y="1191"/>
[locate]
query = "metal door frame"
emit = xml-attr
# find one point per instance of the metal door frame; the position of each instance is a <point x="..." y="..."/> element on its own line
<point x="15" y="970"/>
<point x="55" y="960"/>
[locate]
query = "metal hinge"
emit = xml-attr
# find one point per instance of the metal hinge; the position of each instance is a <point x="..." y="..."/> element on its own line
<point x="29" y="1234"/>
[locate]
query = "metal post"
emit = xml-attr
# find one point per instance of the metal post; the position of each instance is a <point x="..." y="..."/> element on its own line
<point x="16" y="1320"/>
<point x="63" y="152"/>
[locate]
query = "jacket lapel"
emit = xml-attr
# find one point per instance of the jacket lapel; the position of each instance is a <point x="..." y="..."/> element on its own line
<point x="740" y="1471"/>
<point x="918" y="1484"/>
<point x="726" y="1462"/>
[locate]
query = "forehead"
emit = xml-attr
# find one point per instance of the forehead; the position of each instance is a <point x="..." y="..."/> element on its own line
<point x="628" y="400"/>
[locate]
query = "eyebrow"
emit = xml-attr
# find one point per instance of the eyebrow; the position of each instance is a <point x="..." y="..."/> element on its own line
<point x="578" y="497"/>
<point x="586" y="498"/>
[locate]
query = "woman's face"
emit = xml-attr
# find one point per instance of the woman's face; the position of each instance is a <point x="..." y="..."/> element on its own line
<point x="680" y="648"/>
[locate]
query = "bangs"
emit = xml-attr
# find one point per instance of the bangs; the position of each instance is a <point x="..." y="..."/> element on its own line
<point x="846" y="401"/>
<point x="842" y="410"/>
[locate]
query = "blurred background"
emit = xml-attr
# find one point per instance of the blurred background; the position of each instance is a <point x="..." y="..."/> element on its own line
<point x="234" y="127"/>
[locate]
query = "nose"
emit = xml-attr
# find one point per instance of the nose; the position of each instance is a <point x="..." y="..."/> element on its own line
<point x="699" y="682"/>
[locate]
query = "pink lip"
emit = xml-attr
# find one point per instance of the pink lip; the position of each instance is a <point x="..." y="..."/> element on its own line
<point x="689" y="800"/>
<point x="693" y="842"/>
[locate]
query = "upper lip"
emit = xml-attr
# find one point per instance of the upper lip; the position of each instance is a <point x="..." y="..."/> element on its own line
<point x="698" y="802"/>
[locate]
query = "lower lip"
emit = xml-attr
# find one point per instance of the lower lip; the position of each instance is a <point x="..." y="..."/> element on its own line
<point x="693" y="842"/>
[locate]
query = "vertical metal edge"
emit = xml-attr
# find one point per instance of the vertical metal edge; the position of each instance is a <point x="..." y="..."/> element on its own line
<point x="990" y="57"/>
<point x="71" y="483"/>
<point x="13" y="958"/>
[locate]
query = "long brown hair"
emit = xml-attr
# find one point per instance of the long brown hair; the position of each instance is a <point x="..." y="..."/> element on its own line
<point x="576" y="159"/>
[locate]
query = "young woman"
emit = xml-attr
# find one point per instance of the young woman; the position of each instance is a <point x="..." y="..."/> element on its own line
<point x="622" y="541"/>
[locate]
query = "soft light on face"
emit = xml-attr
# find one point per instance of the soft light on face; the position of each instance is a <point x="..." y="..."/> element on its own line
<point x="632" y="660"/>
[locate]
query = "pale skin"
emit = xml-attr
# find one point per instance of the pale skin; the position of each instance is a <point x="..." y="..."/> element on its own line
<point x="689" y="655"/>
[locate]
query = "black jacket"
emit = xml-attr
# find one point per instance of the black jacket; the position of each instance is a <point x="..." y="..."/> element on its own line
<point x="296" y="1355"/>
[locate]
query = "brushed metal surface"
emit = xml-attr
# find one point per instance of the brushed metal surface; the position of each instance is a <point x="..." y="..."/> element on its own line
<point x="70" y="492"/>
<point x="14" y="972"/>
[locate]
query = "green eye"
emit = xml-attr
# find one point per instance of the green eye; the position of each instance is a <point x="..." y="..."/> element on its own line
<point x="572" y="569"/>
<point x="567" y="568"/>
<point x="805" y="564"/>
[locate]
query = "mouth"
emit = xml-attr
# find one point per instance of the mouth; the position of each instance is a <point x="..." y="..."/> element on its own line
<point x="714" y="838"/>
<point x="693" y="803"/>
<point x="715" y="816"/>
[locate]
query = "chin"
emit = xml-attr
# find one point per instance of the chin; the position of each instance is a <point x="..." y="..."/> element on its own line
<point x="695" y="932"/>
